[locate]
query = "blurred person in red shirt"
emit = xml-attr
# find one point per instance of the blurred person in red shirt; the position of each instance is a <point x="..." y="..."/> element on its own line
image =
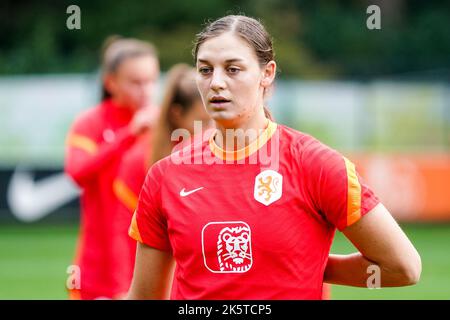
<point x="181" y="106"/>
<point x="95" y="145"/>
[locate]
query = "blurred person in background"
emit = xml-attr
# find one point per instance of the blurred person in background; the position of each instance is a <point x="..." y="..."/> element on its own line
<point x="181" y="106"/>
<point x="248" y="229"/>
<point x="95" y="145"/>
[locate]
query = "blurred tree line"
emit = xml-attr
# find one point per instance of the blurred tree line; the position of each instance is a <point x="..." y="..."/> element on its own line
<point x="313" y="39"/>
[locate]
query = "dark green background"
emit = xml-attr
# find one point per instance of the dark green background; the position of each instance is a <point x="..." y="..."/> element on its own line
<point x="313" y="39"/>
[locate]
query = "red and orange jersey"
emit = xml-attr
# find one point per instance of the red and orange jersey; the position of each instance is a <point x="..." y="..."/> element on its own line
<point x="256" y="223"/>
<point x="127" y="185"/>
<point x="132" y="171"/>
<point x="95" y="144"/>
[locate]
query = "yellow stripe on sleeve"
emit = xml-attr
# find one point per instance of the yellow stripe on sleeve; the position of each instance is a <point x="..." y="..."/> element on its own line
<point x="134" y="230"/>
<point x="353" y="194"/>
<point x="125" y="194"/>
<point x="82" y="142"/>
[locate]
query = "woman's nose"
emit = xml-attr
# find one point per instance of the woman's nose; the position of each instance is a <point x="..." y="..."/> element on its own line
<point x="217" y="81"/>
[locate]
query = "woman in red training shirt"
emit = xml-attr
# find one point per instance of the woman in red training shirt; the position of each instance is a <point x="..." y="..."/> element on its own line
<point x="181" y="106"/>
<point x="255" y="218"/>
<point x="96" y="143"/>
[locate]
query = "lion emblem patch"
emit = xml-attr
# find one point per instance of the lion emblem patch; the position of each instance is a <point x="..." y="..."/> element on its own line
<point x="227" y="247"/>
<point x="268" y="187"/>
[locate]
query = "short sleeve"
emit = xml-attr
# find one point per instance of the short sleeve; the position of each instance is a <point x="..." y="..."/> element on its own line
<point x="336" y="189"/>
<point x="149" y="224"/>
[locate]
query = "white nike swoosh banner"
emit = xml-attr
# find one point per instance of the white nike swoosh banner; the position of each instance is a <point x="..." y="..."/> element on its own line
<point x="30" y="201"/>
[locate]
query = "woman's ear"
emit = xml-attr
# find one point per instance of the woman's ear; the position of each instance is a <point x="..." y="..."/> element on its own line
<point x="269" y="73"/>
<point x="109" y="83"/>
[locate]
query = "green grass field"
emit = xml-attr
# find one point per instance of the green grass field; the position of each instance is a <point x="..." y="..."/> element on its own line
<point x="34" y="260"/>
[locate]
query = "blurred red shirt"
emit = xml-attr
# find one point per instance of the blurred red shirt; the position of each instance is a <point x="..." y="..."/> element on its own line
<point x="127" y="185"/>
<point x="95" y="145"/>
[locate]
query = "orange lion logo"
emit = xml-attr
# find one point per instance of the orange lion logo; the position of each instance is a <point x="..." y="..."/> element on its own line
<point x="266" y="188"/>
<point x="233" y="249"/>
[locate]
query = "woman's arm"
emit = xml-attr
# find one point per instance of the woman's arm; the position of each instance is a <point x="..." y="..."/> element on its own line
<point x="85" y="157"/>
<point x="380" y="242"/>
<point x="153" y="274"/>
<point x="83" y="163"/>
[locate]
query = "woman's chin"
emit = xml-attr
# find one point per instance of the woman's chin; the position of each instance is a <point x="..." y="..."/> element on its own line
<point x="222" y="115"/>
<point x="227" y="122"/>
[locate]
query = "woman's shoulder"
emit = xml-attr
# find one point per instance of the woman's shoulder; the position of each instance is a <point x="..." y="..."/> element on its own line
<point x="305" y="146"/>
<point x="89" y="116"/>
<point x="298" y="138"/>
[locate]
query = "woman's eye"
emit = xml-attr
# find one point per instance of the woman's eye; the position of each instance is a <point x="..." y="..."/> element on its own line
<point x="204" y="70"/>
<point x="233" y="70"/>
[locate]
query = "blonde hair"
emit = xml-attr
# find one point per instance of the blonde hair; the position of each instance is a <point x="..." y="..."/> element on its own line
<point x="181" y="90"/>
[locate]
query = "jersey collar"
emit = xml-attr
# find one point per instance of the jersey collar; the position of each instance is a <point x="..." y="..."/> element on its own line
<point x="244" y="152"/>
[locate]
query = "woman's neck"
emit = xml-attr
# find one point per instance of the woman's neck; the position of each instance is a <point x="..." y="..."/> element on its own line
<point x="120" y="104"/>
<point x="234" y="136"/>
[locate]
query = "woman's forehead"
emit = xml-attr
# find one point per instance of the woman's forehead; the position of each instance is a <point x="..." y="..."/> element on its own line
<point x="131" y="64"/>
<point x="227" y="47"/>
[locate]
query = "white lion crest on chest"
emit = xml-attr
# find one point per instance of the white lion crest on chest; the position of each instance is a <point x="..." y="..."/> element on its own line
<point x="233" y="249"/>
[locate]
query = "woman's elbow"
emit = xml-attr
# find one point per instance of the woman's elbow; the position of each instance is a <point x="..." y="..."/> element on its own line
<point x="409" y="271"/>
<point x="414" y="271"/>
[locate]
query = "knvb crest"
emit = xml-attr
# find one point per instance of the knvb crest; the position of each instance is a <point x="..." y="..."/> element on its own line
<point x="268" y="187"/>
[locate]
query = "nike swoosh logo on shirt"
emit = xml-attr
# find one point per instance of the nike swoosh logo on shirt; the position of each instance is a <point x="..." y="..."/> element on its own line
<point x="184" y="193"/>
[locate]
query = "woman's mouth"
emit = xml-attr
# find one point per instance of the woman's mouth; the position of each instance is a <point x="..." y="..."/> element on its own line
<point x="219" y="102"/>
